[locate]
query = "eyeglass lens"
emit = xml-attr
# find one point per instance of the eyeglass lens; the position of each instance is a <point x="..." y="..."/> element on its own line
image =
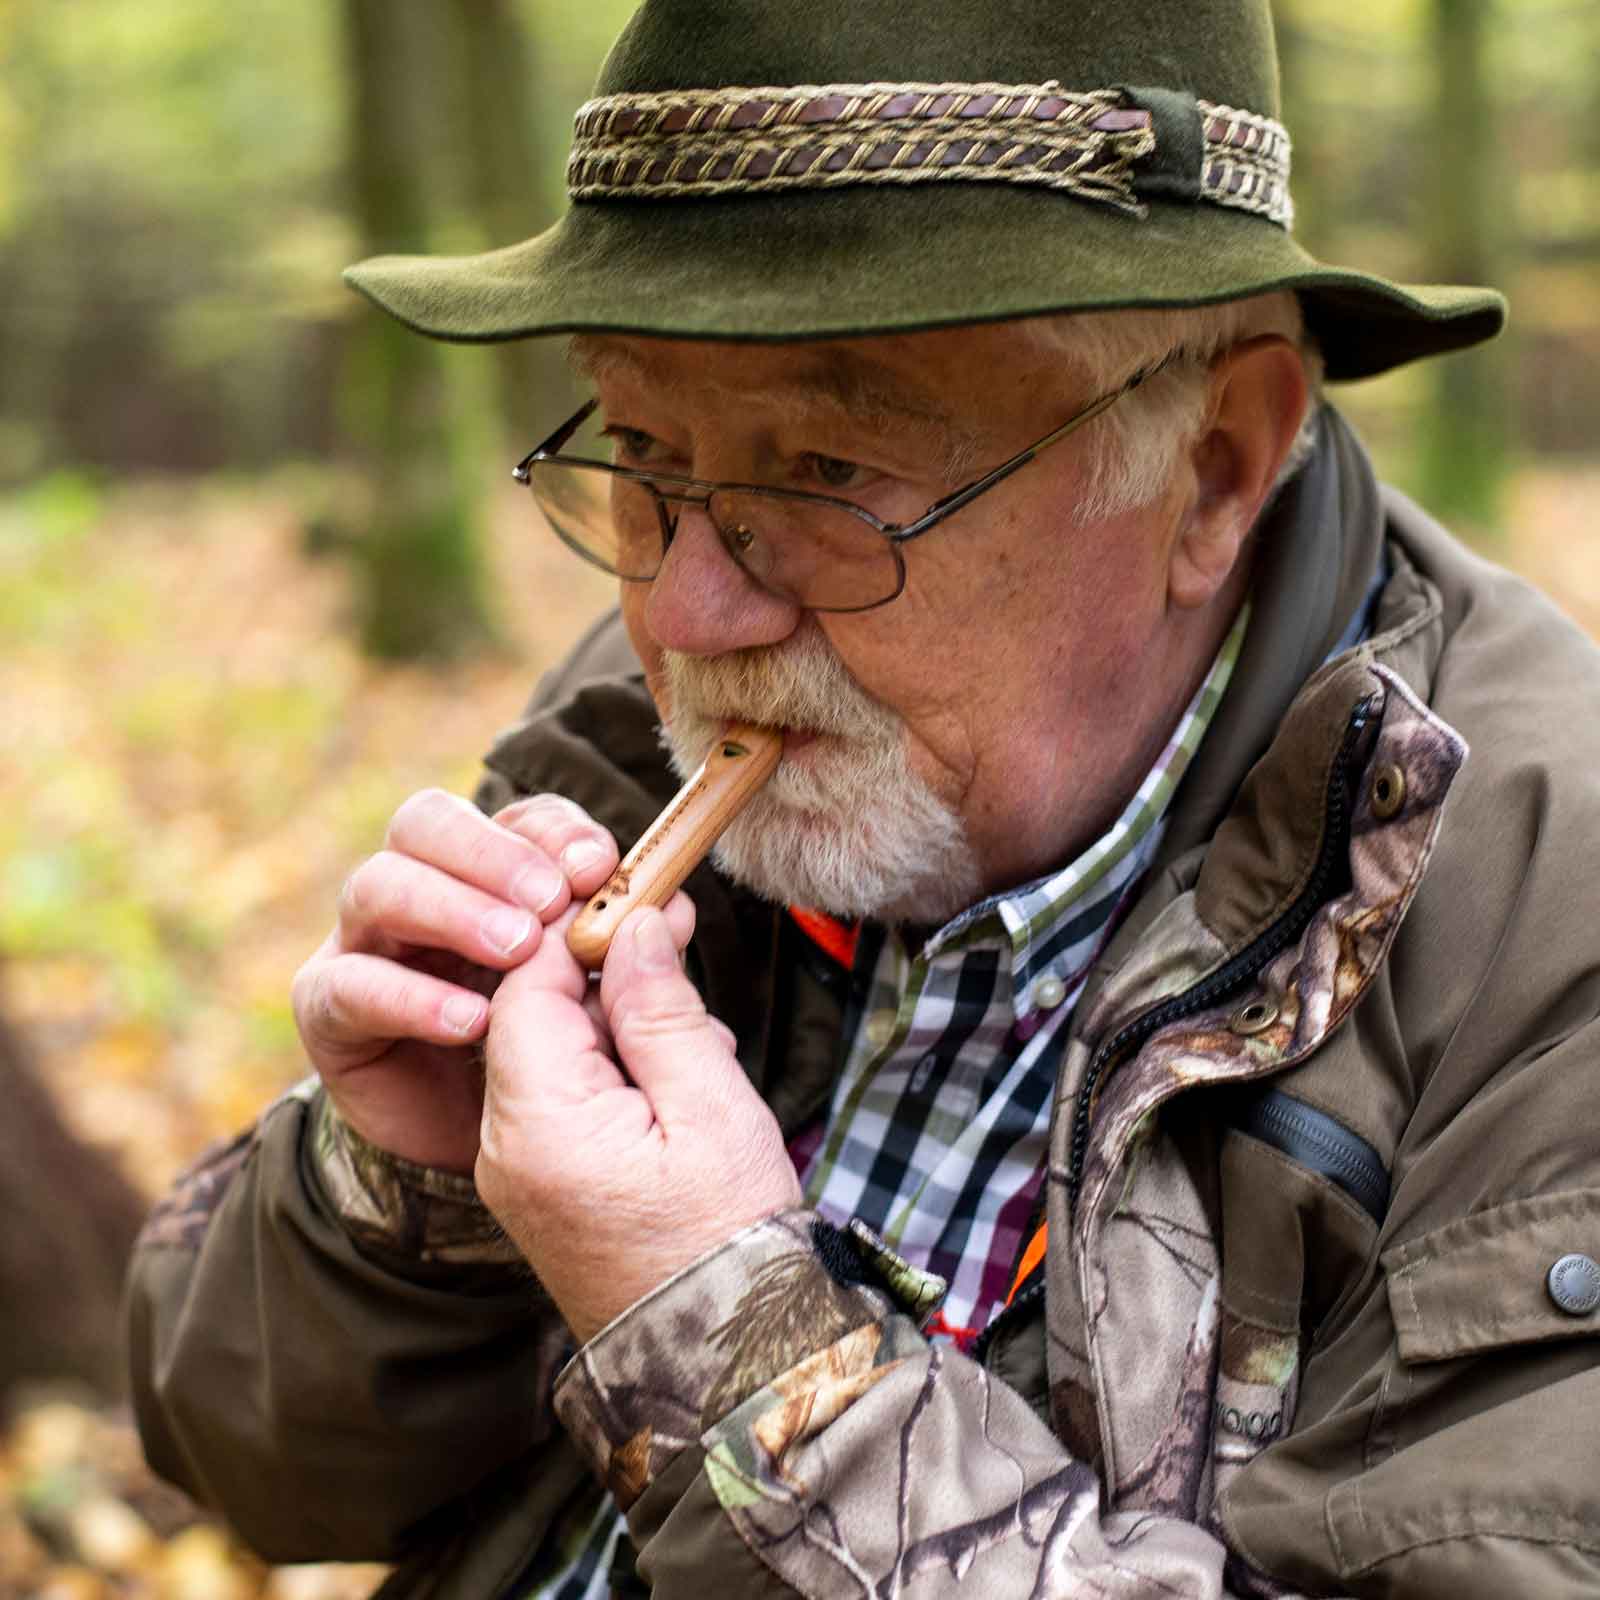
<point x="807" y="552"/>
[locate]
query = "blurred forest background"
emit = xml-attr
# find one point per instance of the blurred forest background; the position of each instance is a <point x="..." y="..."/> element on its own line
<point x="263" y="572"/>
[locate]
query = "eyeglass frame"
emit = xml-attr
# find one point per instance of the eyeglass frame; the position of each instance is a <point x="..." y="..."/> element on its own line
<point x="895" y="534"/>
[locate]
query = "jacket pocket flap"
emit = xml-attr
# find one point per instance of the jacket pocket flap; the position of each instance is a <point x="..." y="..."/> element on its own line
<point x="1484" y="1281"/>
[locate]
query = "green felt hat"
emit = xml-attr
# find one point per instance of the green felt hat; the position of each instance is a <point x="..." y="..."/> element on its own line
<point x="756" y="169"/>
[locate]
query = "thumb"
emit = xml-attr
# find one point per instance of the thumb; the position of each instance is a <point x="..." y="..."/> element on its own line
<point x="672" y="1047"/>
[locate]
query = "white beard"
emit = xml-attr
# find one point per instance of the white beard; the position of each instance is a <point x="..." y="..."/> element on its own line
<point x="850" y="830"/>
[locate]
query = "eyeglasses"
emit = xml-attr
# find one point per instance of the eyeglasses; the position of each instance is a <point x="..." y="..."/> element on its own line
<point x="814" y="550"/>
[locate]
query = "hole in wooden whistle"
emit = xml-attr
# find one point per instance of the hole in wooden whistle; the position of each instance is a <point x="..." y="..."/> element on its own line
<point x="599" y="905"/>
<point x="732" y="751"/>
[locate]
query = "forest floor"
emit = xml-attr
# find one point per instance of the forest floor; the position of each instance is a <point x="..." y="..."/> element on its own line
<point x="194" y="756"/>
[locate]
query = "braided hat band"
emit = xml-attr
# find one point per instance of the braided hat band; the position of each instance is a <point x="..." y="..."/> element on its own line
<point x="1105" y="145"/>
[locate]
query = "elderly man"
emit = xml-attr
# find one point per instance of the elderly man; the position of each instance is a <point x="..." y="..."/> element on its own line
<point x="1115" y="1120"/>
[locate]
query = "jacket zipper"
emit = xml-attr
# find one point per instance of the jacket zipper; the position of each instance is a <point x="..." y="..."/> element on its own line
<point x="1244" y="967"/>
<point x="1226" y="980"/>
<point x="1321" y="1144"/>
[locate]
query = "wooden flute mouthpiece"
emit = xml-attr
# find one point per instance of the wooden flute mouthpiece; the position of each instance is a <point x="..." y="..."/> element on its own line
<point x="740" y="762"/>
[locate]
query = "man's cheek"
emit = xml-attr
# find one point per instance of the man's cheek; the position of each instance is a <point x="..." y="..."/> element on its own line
<point x="632" y="601"/>
<point x="938" y="749"/>
<point x="659" y="684"/>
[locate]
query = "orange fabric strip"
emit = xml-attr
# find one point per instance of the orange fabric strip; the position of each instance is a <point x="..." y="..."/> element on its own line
<point x="835" y="938"/>
<point x="1031" y="1257"/>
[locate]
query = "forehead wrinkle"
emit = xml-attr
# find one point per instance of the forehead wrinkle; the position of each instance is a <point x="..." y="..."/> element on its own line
<point x="830" y="384"/>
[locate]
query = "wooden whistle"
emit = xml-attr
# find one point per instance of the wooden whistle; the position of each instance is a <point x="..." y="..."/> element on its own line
<point x="740" y="762"/>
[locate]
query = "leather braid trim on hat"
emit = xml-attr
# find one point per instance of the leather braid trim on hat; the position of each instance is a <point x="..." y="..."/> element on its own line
<point x="704" y="142"/>
<point x="1246" y="163"/>
<point x="752" y="141"/>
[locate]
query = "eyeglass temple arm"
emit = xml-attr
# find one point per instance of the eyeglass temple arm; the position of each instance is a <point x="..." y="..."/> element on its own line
<point x="551" y="445"/>
<point x="954" y="502"/>
<point x="970" y="491"/>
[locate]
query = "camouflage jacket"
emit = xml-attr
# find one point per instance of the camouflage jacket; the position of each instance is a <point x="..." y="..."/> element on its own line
<point x="1322" y="1133"/>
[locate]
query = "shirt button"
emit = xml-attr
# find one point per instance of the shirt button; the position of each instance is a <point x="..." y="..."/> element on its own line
<point x="880" y="1028"/>
<point x="1048" y="992"/>
<point x="1574" y="1284"/>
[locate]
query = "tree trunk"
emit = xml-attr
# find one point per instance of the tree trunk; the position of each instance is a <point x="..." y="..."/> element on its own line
<point x="1466" y="434"/>
<point x="508" y="183"/>
<point x="410" y="404"/>
<point x="70" y="1223"/>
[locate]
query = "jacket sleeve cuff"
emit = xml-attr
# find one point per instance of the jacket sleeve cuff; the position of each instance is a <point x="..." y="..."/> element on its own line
<point x="772" y="1307"/>
<point x="396" y="1209"/>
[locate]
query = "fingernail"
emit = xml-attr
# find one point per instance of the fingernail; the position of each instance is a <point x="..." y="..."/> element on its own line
<point x="653" y="948"/>
<point x="580" y="854"/>
<point x="505" y="929"/>
<point x="536" y="886"/>
<point x="462" y="1012"/>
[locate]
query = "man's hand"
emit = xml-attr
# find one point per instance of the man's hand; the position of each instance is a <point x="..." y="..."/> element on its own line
<point x="621" y="1138"/>
<point x="393" y="1006"/>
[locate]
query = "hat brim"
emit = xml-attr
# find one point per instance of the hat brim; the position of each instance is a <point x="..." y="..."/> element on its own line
<point x="853" y="262"/>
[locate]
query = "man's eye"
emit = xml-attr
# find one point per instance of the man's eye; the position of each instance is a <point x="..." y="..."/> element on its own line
<point x="632" y="445"/>
<point x="837" y="473"/>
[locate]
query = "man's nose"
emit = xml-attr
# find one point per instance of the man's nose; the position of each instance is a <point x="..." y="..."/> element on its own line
<point x="703" y="602"/>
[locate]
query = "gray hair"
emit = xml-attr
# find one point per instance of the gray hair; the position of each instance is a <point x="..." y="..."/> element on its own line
<point x="1136" y="444"/>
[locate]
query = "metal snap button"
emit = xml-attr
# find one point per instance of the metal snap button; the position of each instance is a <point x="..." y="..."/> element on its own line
<point x="1388" y="791"/>
<point x="1049" y="992"/>
<point x="1255" y="1016"/>
<point x="1574" y="1284"/>
<point x="880" y="1028"/>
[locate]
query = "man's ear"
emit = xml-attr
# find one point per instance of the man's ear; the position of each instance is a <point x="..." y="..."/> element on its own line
<point x="1258" y="398"/>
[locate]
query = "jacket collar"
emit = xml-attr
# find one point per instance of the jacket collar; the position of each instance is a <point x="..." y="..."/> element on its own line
<point x="1317" y="551"/>
<point x="1251" y="809"/>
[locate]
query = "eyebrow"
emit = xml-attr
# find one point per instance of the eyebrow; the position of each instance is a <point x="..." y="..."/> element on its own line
<point x="864" y="390"/>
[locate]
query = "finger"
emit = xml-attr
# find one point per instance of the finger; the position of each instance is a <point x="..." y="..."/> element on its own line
<point x="546" y="1048"/>
<point x="349" y="1001"/>
<point x="392" y="900"/>
<point x="670" y="1045"/>
<point x="602" y="1023"/>
<point x="451" y="834"/>
<point x="564" y="831"/>
<point x="551" y="968"/>
<point x="680" y="915"/>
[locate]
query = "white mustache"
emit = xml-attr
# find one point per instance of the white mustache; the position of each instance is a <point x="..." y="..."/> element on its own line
<point x="800" y="684"/>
